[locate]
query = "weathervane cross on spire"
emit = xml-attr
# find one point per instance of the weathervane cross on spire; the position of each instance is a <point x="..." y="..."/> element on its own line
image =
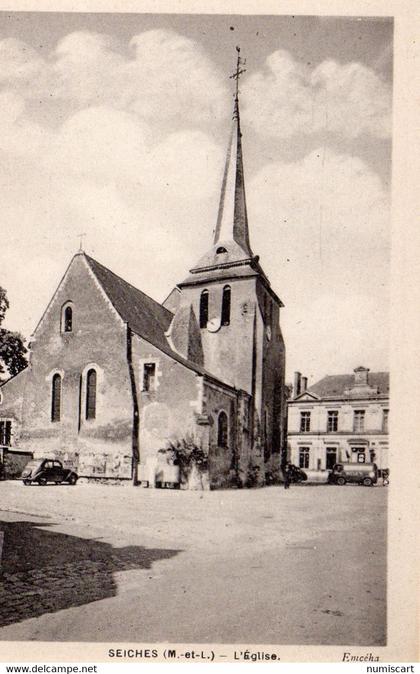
<point x="235" y="76"/>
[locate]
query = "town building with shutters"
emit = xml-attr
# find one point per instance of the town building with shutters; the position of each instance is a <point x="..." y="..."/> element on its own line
<point x="341" y="418"/>
<point x="114" y="377"/>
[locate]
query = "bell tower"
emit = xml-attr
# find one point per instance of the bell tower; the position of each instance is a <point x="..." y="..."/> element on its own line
<point x="236" y="309"/>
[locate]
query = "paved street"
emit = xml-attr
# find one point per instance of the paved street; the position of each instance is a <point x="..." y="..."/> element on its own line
<point x="268" y="566"/>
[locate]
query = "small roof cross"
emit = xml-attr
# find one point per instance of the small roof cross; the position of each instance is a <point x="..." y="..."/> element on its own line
<point x="83" y="234"/>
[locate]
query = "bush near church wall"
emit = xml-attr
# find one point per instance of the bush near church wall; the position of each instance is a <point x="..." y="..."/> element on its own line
<point x="192" y="461"/>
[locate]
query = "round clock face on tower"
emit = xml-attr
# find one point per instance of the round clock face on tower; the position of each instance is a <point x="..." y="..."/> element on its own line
<point x="213" y="324"/>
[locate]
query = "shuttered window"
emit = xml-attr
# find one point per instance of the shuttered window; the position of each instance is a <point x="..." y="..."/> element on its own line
<point x="91" y="394"/>
<point x="56" y="398"/>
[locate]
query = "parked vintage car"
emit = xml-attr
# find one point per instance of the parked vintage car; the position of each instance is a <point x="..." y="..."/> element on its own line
<point x="41" y="471"/>
<point x="356" y="473"/>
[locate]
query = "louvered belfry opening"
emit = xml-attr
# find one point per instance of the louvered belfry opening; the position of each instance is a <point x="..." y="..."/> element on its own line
<point x="226" y="305"/>
<point x="204" y="308"/>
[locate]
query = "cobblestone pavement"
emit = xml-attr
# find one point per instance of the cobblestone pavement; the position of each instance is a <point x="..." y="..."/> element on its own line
<point x="93" y="563"/>
<point x="43" y="570"/>
<point x="32" y="593"/>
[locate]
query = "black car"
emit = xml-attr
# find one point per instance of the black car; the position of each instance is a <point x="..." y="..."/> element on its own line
<point x="41" y="471"/>
<point x="295" y="473"/>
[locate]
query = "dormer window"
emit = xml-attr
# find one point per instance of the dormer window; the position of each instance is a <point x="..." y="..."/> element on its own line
<point x="67" y="318"/>
<point x="221" y="250"/>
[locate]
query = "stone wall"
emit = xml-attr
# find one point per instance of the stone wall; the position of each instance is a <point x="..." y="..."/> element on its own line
<point x="228" y="351"/>
<point x="100" y="447"/>
<point x="222" y="460"/>
<point x="270" y="409"/>
<point x="167" y="412"/>
<point x="248" y="354"/>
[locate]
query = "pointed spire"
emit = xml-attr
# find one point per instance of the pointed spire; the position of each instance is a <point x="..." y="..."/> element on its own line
<point x="232" y="219"/>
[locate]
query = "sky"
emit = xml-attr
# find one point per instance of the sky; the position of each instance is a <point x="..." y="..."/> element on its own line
<point x="116" y="125"/>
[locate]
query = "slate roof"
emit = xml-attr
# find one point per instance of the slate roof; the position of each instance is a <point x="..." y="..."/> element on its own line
<point x="229" y="270"/>
<point x="333" y="386"/>
<point x="145" y="316"/>
<point x="233" y="253"/>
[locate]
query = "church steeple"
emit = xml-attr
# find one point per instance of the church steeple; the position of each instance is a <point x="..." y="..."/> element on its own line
<point x="232" y="219"/>
<point x="231" y="246"/>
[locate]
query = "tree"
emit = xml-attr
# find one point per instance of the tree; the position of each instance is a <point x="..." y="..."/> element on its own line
<point x="12" y="347"/>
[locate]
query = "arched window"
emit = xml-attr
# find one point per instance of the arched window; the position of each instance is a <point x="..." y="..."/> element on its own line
<point x="91" y="394"/>
<point x="221" y="250"/>
<point x="68" y="319"/>
<point x="204" y="308"/>
<point x="226" y="305"/>
<point x="222" y="430"/>
<point x="56" y="398"/>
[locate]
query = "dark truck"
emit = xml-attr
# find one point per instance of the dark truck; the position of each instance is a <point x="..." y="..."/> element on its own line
<point x="355" y="473"/>
<point x="42" y="471"/>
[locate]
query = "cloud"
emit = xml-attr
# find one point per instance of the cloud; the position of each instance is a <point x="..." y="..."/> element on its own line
<point x="328" y="216"/>
<point x="84" y="68"/>
<point x="129" y="159"/>
<point x="288" y="97"/>
<point x="347" y="330"/>
<point x="19" y="63"/>
<point x="99" y="143"/>
<point x="326" y="254"/>
<point x="162" y="76"/>
<point x="320" y="225"/>
<point x="170" y="76"/>
<point x="139" y="197"/>
<point x="19" y="136"/>
<point x="103" y="144"/>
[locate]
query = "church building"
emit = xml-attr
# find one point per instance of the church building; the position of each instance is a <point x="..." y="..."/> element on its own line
<point x="114" y="377"/>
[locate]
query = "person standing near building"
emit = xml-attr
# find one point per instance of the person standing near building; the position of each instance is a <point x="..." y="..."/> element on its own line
<point x="286" y="474"/>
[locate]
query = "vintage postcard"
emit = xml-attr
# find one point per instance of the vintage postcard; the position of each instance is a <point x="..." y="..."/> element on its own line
<point x="204" y="454"/>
